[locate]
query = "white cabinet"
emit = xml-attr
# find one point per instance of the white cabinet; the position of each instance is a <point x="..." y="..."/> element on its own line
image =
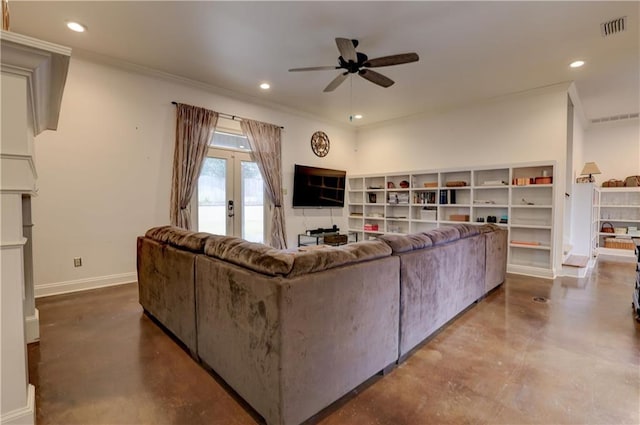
<point x="519" y="198"/>
<point x="618" y="208"/>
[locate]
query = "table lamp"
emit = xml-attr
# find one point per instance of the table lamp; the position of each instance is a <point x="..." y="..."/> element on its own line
<point x="590" y="168"/>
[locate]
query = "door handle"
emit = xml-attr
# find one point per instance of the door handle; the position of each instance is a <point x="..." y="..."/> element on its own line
<point x="230" y="212"/>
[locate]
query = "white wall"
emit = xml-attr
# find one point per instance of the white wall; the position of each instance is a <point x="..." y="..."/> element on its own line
<point x="105" y="175"/>
<point x="615" y="147"/>
<point x="527" y="127"/>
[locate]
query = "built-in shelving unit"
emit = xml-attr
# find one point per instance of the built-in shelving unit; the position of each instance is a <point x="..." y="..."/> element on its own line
<point x="620" y="207"/>
<point x="519" y="197"/>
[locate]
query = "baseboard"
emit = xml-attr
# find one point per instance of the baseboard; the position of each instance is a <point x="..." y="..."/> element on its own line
<point x="32" y="327"/>
<point x="531" y="271"/>
<point x="25" y="415"/>
<point x="58" y="288"/>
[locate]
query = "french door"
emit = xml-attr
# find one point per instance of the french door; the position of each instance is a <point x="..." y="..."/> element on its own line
<point x="231" y="196"/>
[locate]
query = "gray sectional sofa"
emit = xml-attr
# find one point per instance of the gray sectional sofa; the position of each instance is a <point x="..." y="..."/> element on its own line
<point x="292" y="332"/>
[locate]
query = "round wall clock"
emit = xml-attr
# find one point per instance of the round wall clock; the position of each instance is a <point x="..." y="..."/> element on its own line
<point x="320" y="143"/>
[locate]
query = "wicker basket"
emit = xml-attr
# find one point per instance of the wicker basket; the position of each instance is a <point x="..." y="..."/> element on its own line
<point x="619" y="243"/>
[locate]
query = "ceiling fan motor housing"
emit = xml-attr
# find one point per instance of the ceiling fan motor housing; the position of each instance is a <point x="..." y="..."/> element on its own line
<point x="351" y="66"/>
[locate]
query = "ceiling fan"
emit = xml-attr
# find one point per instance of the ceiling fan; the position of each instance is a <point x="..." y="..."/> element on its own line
<point x="355" y="62"/>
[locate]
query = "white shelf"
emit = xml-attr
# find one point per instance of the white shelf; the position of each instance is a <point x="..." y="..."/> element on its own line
<point x="531" y="206"/>
<point x="619" y="206"/>
<point x="530" y="226"/>
<point x="490" y="206"/>
<point x="619" y="220"/>
<point x="516" y="186"/>
<point x="539" y="247"/>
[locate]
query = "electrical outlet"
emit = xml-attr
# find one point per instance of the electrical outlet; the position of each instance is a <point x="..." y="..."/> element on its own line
<point x="77" y="262"/>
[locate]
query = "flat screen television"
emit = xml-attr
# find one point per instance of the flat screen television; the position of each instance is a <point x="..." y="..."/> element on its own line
<point x="318" y="187"/>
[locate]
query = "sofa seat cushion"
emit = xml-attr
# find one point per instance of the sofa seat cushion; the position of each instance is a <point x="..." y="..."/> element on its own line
<point x="405" y="243"/>
<point x="327" y="258"/>
<point x="254" y="256"/>
<point x="443" y="235"/>
<point x="179" y="238"/>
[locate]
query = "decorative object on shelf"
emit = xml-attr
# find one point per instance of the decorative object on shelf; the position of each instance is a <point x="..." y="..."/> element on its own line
<point x="456" y="183"/>
<point x="492" y="219"/>
<point x="589" y="169"/>
<point x="480" y="220"/>
<point x="504" y="219"/>
<point x="494" y="183"/>
<point x="525" y="202"/>
<point x="523" y="181"/>
<point x="620" y="230"/>
<point x="632" y="181"/>
<point x="429" y="214"/>
<point x="583" y="180"/>
<point x="619" y="243"/>
<point x="391" y="185"/>
<point x="430" y="184"/>
<point x="460" y="217"/>
<point x="373" y="198"/>
<point x="5" y="15"/>
<point x="543" y="180"/>
<point x="613" y="183"/>
<point x="607" y="227"/>
<point x="320" y="143"/>
<point x="404" y="184"/>
<point x="375" y="187"/>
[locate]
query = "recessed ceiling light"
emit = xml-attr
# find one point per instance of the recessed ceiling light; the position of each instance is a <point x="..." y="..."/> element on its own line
<point x="265" y="86"/>
<point x="576" y="64"/>
<point x="358" y="116"/>
<point x="74" y="26"/>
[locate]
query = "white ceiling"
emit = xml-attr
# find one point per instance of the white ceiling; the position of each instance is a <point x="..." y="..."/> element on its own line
<point x="469" y="51"/>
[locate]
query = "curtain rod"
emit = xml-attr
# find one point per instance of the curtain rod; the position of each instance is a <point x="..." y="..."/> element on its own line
<point x="229" y="116"/>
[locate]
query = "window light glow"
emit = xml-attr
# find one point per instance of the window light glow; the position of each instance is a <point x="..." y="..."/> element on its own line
<point x="576" y="64"/>
<point x="74" y="26"/>
<point x="358" y="116"/>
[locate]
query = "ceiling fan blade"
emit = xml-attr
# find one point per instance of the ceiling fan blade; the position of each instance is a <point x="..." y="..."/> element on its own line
<point x="375" y="77"/>
<point x="392" y="60"/>
<point x="347" y="51"/>
<point x="336" y="82"/>
<point x="314" y="68"/>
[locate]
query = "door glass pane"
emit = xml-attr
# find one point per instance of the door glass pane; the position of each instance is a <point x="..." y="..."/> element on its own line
<point x="252" y="203"/>
<point x="212" y="197"/>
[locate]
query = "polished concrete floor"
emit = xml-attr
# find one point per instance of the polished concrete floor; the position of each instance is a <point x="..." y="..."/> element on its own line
<point x="509" y="360"/>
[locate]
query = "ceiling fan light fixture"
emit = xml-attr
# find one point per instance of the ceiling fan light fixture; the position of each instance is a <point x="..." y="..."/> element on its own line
<point x="74" y="26"/>
<point x="265" y="86"/>
<point x="576" y="64"/>
<point x="358" y="116"/>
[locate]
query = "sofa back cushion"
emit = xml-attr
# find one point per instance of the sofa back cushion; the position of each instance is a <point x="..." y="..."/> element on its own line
<point x="327" y="258"/>
<point x="404" y="243"/>
<point x="467" y="230"/>
<point x="179" y="238"/>
<point x="443" y="235"/>
<point x="254" y="256"/>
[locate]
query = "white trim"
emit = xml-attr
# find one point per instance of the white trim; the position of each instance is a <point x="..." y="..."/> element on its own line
<point x="25" y="415"/>
<point x="35" y="43"/>
<point x="56" y="288"/>
<point x="32" y="327"/>
<point x="532" y="271"/>
<point x="13" y="244"/>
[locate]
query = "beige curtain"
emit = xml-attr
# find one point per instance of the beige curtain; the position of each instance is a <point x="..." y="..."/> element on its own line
<point x="264" y="140"/>
<point x="194" y="130"/>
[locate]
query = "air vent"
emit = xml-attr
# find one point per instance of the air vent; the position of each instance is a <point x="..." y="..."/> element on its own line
<point x="613" y="26"/>
<point x="616" y="118"/>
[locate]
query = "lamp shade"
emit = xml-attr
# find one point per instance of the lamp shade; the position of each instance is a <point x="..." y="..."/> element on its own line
<point x="590" y="168"/>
